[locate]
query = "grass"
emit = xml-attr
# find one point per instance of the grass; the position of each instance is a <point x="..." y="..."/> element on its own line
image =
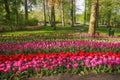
<point x="60" y="30"/>
<point x="105" y="30"/>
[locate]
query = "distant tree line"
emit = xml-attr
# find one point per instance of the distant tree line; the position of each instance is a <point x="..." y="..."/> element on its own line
<point x="96" y="12"/>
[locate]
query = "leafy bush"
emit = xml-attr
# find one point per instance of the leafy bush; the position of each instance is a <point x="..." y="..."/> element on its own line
<point x="32" y="22"/>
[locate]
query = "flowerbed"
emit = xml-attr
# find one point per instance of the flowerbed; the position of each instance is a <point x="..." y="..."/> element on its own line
<point x="59" y="35"/>
<point x="58" y="46"/>
<point x="40" y="58"/>
<point x="30" y="37"/>
<point x="19" y="66"/>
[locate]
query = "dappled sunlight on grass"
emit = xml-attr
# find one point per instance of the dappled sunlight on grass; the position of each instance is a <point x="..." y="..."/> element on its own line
<point x="61" y="30"/>
<point x="26" y="32"/>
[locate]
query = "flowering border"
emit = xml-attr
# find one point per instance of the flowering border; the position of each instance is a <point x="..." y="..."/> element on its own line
<point x="75" y="62"/>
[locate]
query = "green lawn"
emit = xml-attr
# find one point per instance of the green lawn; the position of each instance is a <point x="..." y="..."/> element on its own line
<point x="60" y="30"/>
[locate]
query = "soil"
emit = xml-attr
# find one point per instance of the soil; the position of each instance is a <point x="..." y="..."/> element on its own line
<point x="78" y="77"/>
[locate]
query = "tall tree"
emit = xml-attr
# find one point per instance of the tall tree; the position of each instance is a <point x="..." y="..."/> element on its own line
<point x="48" y="11"/>
<point x="85" y="11"/>
<point x="97" y="16"/>
<point x="26" y="10"/>
<point x="109" y="14"/>
<point x="63" y="16"/>
<point x="44" y="11"/>
<point x="88" y="10"/>
<point x="7" y="9"/>
<point x="72" y="12"/>
<point x="16" y="11"/>
<point x="93" y="17"/>
<point x="53" y="23"/>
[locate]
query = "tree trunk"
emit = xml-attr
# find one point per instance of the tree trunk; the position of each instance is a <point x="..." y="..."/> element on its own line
<point x="17" y="17"/>
<point x="26" y="11"/>
<point x="109" y="14"/>
<point x="63" y="16"/>
<point x="72" y="12"/>
<point x="109" y="19"/>
<point x="48" y="11"/>
<point x="44" y="12"/>
<point x="53" y="24"/>
<point x="85" y="12"/>
<point x="16" y="12"/>
<point x="7" y="9"/>
<point x="97" y="16"/>
<point x="93" y="17"/>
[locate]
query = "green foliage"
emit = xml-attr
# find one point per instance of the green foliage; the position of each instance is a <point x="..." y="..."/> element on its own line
<point x="81" y="70"/>
<point x="108" y="12"/>
<point x="32" y="22"/>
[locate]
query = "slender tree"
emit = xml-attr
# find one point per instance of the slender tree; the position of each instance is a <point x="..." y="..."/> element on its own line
<point x="85" y="12"/>
<point x="72" y="12"/>
<point x="97" y="15"/>
<point x="63" y="16"/>
<point x="109" y="14"/>
<point x="53" y="23"/>
<point x="16" y="11"/>
<point x="44" y="12"/>
<point x="26" y="10"/>
<point x="93" y="17"/>
<point x="48" y="13"/>
<point x="7" y="9"/>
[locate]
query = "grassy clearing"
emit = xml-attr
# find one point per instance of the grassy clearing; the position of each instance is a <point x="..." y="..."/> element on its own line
<point x="60" y="30"/>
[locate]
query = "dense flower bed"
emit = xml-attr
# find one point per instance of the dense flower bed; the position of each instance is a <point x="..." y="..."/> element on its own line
<point x="58" y="35"/>
<point x="38" y="57"/>
<point x="53" y="63"/>
<point x="58" y="45"/>
<point x="29" y="37"/>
